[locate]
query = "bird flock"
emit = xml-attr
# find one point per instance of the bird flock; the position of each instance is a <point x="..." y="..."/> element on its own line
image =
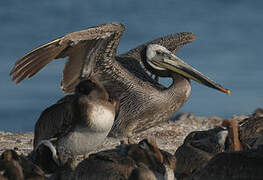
<point x="116" y="96"/>
<point x="217" y="153"/>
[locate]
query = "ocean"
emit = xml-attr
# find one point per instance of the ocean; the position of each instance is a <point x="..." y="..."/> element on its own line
<point x="227" y="49"/>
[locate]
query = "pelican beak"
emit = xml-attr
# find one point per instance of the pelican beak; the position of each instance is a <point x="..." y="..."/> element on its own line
<point x="175" y="64"/>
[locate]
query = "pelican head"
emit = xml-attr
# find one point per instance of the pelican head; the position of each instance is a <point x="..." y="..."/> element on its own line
<point x="93" y="88"/>
<point x="164" y="61"/>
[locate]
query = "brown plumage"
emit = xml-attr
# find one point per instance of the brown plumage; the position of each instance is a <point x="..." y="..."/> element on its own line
<point x="105" y="165"/>
<point x="45" y="156"/>
<point x="258" y="113"/>
<point x="142" y="172"/>
<point x="11" y="170"/>
<point x="198" y="148"/>
<point x="81" y="47"/>
<point x="250" y="129"/>
<point x="65" y="171"/>
<point x="144" y="102"/>
<point x="246" y="164"/>
<point x="77" y="123"/>
<point x="20" y="167"/>
<point x="233" y="136"/>
<point x="132" y="161"/>
<point x="147" y="152"/>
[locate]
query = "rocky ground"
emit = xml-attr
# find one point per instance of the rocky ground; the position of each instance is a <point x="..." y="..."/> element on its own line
<point x="169" y="135"/>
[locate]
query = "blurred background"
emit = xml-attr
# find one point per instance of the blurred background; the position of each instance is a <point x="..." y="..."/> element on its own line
<point x="228" y="48"/>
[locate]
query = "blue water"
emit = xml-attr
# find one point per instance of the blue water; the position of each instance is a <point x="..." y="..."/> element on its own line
<point x="228" y="48"/>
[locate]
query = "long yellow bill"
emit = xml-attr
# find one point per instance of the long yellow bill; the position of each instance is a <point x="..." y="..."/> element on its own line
<point x="175" y="64"/>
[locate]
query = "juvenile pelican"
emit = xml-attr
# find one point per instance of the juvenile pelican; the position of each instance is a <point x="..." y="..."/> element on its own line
<point x="198" y="148"/>
<point x="19" y="167"/>
<point x="77" y="123"/>
<point x="246" y="164"/>
<point x="132" y="161"/>
<point x="143" y="101"/>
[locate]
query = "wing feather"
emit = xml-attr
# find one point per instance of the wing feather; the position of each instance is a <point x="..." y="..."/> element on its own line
<point x="28" y="58"/>
<point x="74" y="66"/>
<point x="55" y="121"/>
<point x="34" y="65"/>
<point x="172" y="42"/>
<point x="79" y="46"/>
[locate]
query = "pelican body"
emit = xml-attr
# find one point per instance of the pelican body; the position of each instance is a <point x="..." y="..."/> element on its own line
<point x="77" y="123"/>
<point x="134" y="161"/>
<point x="19" y="167"/>
<point x="144" y="102"/>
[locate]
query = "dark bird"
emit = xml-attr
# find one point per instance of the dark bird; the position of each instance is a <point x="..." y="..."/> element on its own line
<point x="251" y="130"/>
<point x="45" y="156"/>
<point x="246" y="164"/>
<point x="77" y="123"/>
<point x="19" y="167"/>
<point x="144" y="102"/>
<point x="11" y="170"/>
<point x="159" y="162"/>
<point x="132" y="161"/>
<point x="198" y="148"/>
<point x="127" y="161"/>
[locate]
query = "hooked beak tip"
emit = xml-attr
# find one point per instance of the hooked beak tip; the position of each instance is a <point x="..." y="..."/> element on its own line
<point x="227" y="91"/>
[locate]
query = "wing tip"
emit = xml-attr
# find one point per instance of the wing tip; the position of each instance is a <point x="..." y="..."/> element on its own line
<point x="188" y="35"/>
<point x="120" y="25"/>
<point x="23" y="67"/>
<point x="192" y="36"/>
<point x="115" y="26"/>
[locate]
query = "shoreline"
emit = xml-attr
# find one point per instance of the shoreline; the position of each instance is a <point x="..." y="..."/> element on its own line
<point x="169" y="135"/>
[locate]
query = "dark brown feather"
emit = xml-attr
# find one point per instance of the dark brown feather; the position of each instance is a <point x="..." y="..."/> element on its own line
<point x="73" y="67"/>
<point x="56" y="121"/>
<point x="78" y="46"/>
<point x="34" y="65"/>
<point x="28" y="58"/>
<point x="172" y="42"/>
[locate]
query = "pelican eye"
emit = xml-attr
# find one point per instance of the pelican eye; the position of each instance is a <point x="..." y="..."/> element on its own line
<point x="158" y="52"/>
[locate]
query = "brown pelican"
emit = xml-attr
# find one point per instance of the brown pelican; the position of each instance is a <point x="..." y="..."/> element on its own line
<point x="198" y="148"/>
<point x="77" y="123"/>
<point x="11" y="170"/>
<point x="128" y="162"/>
<point x="46" y="157"/>
<point x="105" y="165"/>
<point x="10" y="166"/>
<point x="160" y="162"/>
<point x="246" y="164"/>
<point x="20" y="167"/>
<point x="250" y="129"/>
<point x="143" y="101"/>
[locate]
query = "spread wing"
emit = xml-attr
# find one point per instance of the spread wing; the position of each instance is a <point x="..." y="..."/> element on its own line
<point x="82" y="48"/>
<point x="172" y="42"/>
<point x="56" y="121"/>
